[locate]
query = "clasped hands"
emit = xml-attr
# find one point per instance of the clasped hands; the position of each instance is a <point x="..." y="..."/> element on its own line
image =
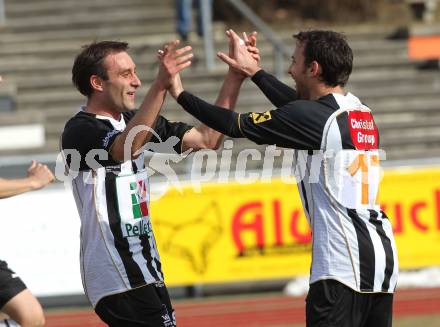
<point x="243" y="60"/>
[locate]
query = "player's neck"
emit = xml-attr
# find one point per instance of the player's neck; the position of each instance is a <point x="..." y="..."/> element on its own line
<point x="98" y="108"/>
<point x="322" y="90"/>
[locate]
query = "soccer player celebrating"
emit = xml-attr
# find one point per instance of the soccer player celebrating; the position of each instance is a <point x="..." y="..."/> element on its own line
<point x="120" y="265"/>
<point x="354" y="260"/>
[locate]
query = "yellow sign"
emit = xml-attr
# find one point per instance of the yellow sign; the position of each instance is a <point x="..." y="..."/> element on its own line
<point x="411" y="199"/>
<point x="237" y="232"/>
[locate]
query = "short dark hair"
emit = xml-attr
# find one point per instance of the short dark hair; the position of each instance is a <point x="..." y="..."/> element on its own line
<point x="90" y="61"/>
<point x="331" y="50"/>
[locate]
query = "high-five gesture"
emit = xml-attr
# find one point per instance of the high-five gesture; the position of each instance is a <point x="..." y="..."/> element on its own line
<point x="251" y="45"/>
<point x="172" y="61"/>
<point x="243" y="55"/>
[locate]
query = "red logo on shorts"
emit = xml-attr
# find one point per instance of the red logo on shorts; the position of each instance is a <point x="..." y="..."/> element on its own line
<point x="363" y="130"/>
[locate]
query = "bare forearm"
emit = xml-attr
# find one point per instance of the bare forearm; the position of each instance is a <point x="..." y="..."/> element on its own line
<point x="11" y="187"/>
<point x="228" y="95"/>
<point x="148" y="113"/>
<point x="138" y="130"/>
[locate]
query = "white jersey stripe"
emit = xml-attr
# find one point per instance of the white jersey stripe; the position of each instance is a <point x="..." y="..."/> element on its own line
<point x="379" y="252"/>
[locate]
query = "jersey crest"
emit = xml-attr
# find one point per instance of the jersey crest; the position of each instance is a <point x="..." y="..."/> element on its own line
<point x="133" y="201"/>
<point x="261" y="117"/>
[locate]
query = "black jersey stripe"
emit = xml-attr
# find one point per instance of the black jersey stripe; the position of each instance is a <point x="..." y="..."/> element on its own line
<point x="157" y="260"/>
<point x="306" y="202"/>
<point x="134" y="167"/>
<point x="158" y="264"/>
<point x="309" y="179"/>
<point x="159" y="267"/>
<point x="386" y="242"/>
<point x="303" y="187"/>
<point x="134" y="273"/>
<point x="146" y="252"/>
<point x="366" y="252"/>
<point x="344" y="129"/>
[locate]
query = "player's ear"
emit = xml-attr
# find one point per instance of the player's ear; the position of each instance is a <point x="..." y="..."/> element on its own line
<point x="315" y="69"/>
<point x="96" y="83"/>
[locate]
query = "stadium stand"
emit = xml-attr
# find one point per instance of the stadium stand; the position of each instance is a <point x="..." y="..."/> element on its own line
<point x="40" y="39"/>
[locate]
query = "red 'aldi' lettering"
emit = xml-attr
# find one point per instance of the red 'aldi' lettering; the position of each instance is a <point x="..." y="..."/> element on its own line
<point x="300" y="237"/>
<point x="277" y="222"/>
<point x="248" y="217"/>
<point x="415" y="214"/>
<point x="437" y="205"/>
<point x="398" y="228"/>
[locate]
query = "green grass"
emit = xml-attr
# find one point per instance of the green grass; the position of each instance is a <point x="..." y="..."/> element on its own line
<point x="425" y="321"/>
<point x="418" y="321"/>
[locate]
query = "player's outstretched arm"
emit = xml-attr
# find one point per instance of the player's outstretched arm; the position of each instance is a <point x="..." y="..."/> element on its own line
<point x="38" y="176"/>
<point x="172" y="61"/>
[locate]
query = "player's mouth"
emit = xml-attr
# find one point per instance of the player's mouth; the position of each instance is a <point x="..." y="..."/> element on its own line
<point x="131" y="95"/>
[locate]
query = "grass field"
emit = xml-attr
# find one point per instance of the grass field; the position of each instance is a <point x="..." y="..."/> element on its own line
<point x="419" y="321"/>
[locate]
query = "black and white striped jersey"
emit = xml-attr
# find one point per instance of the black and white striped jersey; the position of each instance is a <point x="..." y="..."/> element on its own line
<point x="337" y="160"/>
<point x="118" y="249"/>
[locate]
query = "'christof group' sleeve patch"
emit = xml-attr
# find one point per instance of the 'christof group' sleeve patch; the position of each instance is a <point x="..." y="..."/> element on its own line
<point x="260" y="117"/>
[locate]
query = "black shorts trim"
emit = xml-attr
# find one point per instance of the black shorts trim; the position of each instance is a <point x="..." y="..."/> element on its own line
<point x="10" y="284"/>
<point x="330" y="303"/>
<point x="149" y="305"/>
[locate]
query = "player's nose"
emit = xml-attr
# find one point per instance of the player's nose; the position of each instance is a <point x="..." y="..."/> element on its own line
<point x="136" y="82"/>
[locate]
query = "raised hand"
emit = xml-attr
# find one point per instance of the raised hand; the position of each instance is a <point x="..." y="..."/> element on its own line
<point x="240" y="59"/>
<point x="251" y="45"/>
<point x="172" y="61"/>
<point x="39" y="175"/>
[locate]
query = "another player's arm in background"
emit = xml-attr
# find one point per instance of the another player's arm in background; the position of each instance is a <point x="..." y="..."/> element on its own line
<point x="38" y="176"/>
<point x="173" y="61"/>
<point x="244" y="62"/>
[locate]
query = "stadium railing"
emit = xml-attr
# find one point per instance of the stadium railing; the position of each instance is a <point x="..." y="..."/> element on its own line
<point x="2" y="13"/>
<point x="280" y="50"/>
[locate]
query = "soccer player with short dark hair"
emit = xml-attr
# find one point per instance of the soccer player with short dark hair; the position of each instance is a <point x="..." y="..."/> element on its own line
<point x="354" y="258"/>
<point x="120" y="264"/>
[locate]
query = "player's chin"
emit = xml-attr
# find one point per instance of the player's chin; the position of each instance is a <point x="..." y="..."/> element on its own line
<point x="129" y="105"/>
